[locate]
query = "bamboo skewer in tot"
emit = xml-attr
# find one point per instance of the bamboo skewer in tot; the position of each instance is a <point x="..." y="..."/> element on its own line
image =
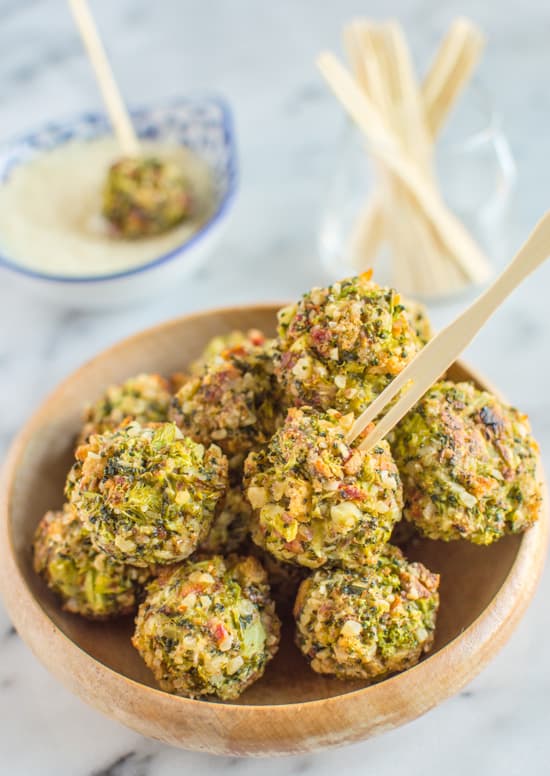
<point x="118" y="114"/>
<point x="425" y="261"/>
<point x="145" y="194"/>
<point x="438" y="355"/>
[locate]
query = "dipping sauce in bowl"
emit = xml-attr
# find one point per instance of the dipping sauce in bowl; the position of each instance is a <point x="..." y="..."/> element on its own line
<point x="50" y="210"/>
<point x="52" y="233"/>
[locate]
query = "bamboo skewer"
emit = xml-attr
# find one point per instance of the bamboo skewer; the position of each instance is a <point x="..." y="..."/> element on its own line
<point x="409" y="121"/>
<point x="385" y="146"/>
<point x="112" y="98"/>
<point x="434" y="260"/>
<point x="411" y="116"/>
<point x="386" y="101"/>
<point x="369" y="230"/>
<point x="451" y="70"/>
<point x="364" y="42"/>
<point x="438" y="355"/>
<point x="390" y="54"/>
<point x="383" y="68"/>
<point x="387" y="78"/>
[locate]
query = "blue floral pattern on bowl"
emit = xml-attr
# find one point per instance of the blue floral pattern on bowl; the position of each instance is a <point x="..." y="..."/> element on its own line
<point x="203" y="124"/>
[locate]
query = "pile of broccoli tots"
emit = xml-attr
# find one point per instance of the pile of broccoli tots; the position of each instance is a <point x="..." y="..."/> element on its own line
<point x="225" y="498"/>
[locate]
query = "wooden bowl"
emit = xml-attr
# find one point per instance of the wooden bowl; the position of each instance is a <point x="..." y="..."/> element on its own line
<point x="484" y="592"/>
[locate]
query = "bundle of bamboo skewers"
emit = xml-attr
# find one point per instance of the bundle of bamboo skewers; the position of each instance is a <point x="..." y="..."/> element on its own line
<point x="432" y="252"/>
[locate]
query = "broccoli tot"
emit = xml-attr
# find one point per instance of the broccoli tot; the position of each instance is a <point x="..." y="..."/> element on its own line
<point x="233" y="402"/>
<point x="208" y="628"/>
<point x="418" y="317"/>
<point x="146" y="494"/>
<point x="144" y="197"/>
<point x="224" y="343"/>
<point x="469" y="465"/>
<point x="367" y="623"/>
<point x="231" y="524"/>
<point x="340" y="346"/>
<point x="284" y="578"/>
<point x="317" y="499"/>
<point x="89" y="582"/>
<point x="145" y="398"/>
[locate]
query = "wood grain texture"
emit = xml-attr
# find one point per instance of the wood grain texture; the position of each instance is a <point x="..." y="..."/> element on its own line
<point x="485" y="591"/>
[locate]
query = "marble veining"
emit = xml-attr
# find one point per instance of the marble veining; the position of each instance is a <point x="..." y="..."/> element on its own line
<point x="261" y="56"/>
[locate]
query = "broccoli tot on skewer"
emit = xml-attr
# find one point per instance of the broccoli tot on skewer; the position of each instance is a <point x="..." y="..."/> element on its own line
<point x="340" y="346"/>
<point x="318" y="500"/>
<point x="145" y="196"/>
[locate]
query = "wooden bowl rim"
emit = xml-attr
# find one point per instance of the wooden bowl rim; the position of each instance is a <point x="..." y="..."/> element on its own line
<point x="487" y="633"/>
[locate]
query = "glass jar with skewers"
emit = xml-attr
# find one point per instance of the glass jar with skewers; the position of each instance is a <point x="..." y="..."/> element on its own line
<point x="448" y="132"/>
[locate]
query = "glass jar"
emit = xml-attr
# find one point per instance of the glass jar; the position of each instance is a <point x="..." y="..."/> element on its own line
<point x="475" y="171"/>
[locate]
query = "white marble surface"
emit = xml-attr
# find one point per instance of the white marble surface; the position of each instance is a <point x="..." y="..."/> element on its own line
<point x="260" y="56"/>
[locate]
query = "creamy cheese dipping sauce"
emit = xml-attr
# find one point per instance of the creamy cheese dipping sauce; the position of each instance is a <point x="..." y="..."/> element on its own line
<point x="50" y="211"/>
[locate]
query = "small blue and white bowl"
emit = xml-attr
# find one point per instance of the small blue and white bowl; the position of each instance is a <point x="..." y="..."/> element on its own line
<point x="202" y="124"/>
